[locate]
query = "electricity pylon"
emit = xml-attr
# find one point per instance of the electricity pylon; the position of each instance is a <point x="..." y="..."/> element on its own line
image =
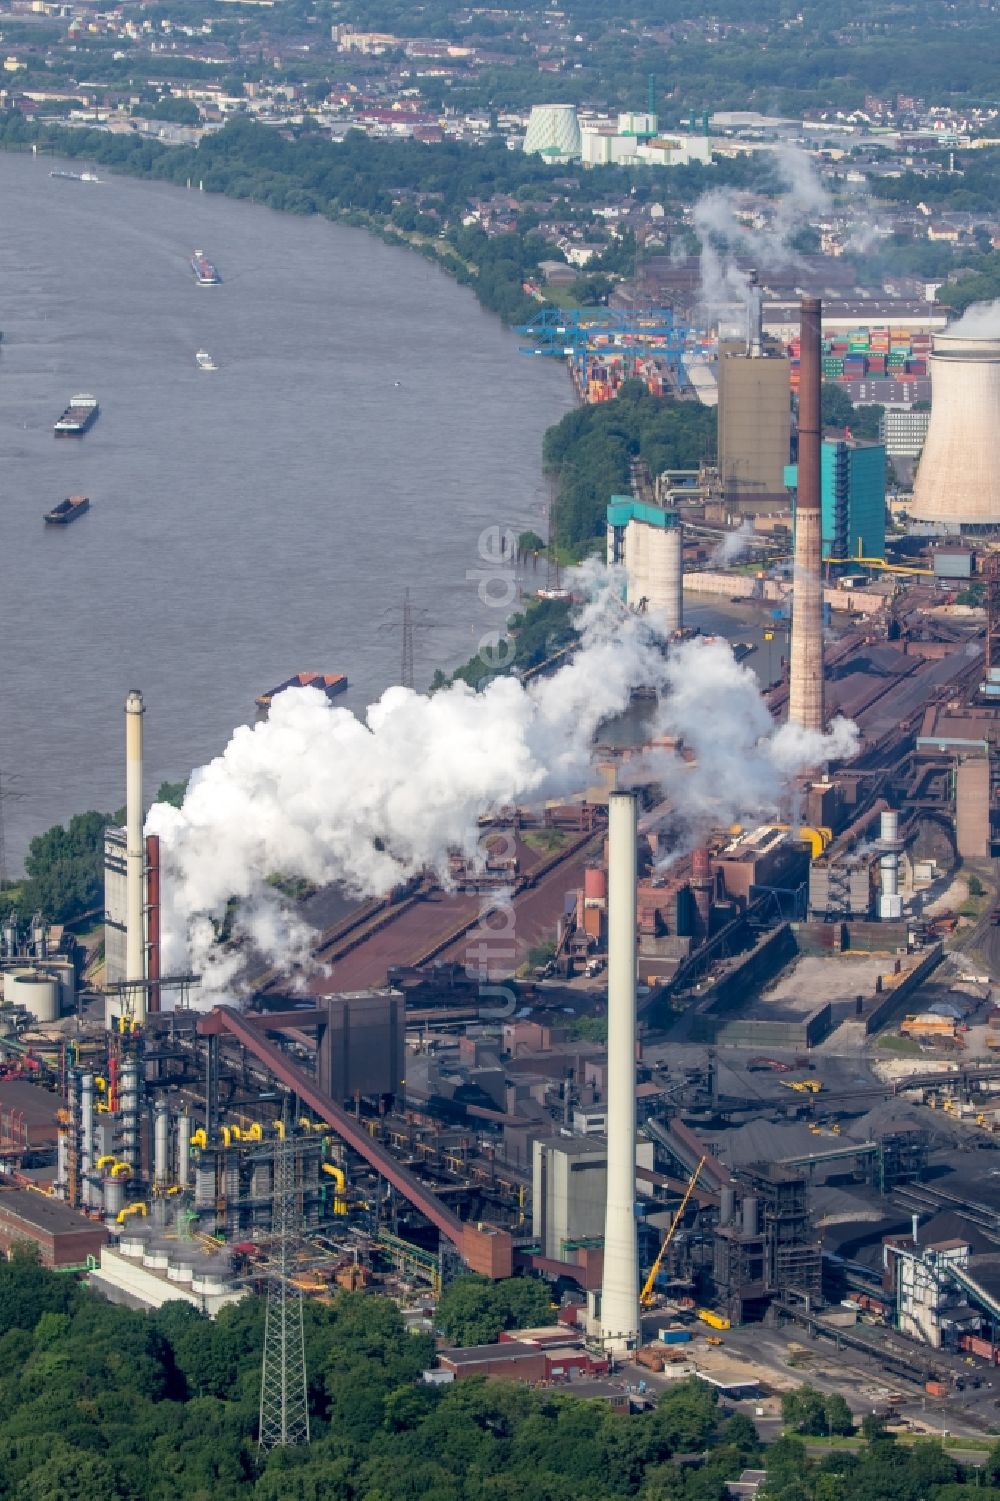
<point x="284" y="1406"/>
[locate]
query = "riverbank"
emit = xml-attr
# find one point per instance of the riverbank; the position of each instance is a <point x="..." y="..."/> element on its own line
<point x="355" y="182"/>
<point x="366" y="428"/>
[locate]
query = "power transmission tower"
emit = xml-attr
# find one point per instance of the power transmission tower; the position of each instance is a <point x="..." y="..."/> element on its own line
<point x="406" y="664"/>
<point x="553" y="574"/>
<point x="8" y="794"/>
<point x="284" y="1407"/>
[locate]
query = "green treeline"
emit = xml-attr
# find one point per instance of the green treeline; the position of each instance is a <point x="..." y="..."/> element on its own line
<point x="385" y="186"/>
<point x="530" y="637"/>
<point x="100" y="1403"/>
<point x="588" y="454"/>
<point x="64" y="867"/>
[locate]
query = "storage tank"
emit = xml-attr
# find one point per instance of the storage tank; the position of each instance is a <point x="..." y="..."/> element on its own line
<point x="664" y="574"/>
<point x="65" y="972"/>
<point x="114" y="1197"/>
<point x="36" y="991"/>
<point x="958" y="478"/>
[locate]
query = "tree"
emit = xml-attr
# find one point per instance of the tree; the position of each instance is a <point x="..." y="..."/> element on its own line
<point x="65" y="868"/>
<point x="839" y="1418"/>
<point x="804" y="1411"/>
<point x="837" y="406"/>
<point x="172" y="792"/>
<point x="473" y="1311"/>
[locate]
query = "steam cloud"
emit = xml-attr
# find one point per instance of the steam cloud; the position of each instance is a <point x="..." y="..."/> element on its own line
<point x="735" y="544"/>
<point x="981" y="320"/>
<point x="742" y="762"/>
<point x="318" y="794"/>
<point x="724" y="235"/>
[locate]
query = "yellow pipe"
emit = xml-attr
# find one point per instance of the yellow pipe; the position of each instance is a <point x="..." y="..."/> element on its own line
<point x="121" y="1170"/>
<point x="226" y="1135"/>
<point x="279" y="1126"/>
<point x="254" y="1132"/>
<point x="100" y="1083"/>
<point x="103" y="1161"/>
<point x="123" y="1214"/>
<point x="340" y="1179"/>
<point x="199" y="1138"/>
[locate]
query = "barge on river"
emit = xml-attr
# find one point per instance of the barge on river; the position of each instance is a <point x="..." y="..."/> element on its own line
<point x="203" y="271"/>
<point x="67" y="510"/>
<point x="78" y="418"/>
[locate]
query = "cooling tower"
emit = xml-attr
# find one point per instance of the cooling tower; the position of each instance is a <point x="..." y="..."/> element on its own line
<point x="958" y="479"/>
<point x="554" y="132"/>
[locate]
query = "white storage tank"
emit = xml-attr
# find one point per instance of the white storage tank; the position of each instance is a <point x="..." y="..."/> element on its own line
<point x="65" y="972"/>
<point x="36" y="991"/>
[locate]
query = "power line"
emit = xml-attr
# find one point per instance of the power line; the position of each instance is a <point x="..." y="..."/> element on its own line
<point x="406" y="664"/>
<point x="8" y="794"/>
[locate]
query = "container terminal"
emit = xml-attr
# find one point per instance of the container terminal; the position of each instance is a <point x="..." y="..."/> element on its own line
<point x="741" y="1110"/>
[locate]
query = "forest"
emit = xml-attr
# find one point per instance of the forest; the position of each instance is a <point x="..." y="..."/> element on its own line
<point x="101" y="1403"/>
<point x="588" y="455"/>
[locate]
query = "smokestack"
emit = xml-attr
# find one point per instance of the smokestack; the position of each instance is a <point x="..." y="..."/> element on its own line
<point x="755" y="318"/>
<point x="620" y="1284"/>
<point x="153" y="919"/>
<point x="702" y="888"/>
<point x="805" y="694"/>
<point x="135" y="854"/>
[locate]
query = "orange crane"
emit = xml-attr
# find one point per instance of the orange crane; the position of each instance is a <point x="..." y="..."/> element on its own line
<point x="646" y="1296"/>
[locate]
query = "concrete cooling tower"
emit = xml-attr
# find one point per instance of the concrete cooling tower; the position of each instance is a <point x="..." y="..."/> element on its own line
<point x="958" y="478"/>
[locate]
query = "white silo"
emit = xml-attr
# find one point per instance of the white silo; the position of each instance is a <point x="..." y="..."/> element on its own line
<point x="958" y="479"/>
<point x="554" y="133"/>
<point x="36" y="991"/>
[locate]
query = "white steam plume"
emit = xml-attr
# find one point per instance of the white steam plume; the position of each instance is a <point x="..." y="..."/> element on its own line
<point x="981" y="320"/>
<point x="734" y="545"/>
<point x="318" y="794"/>
<point x="741" y="762"/>
<point x="724" y="235"/>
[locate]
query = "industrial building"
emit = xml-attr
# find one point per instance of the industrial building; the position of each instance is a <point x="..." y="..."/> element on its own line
<point x="903" y="431"/>
<point x="647" y="541"/>
<point x="754" y="417"/>
<point x="852" y="496"/>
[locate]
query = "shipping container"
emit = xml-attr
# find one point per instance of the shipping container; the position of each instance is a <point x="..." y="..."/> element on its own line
<point x="675" y="1336"/>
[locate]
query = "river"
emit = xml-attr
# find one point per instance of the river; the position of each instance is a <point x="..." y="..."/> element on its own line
<point x="368" y="420"/>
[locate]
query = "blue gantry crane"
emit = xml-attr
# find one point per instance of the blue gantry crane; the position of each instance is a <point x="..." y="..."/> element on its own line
<point x="596" y="336"/>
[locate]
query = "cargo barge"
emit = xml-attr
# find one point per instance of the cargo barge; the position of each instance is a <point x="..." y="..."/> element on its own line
<point x="332" y="684"/>
<point x="77" y="176"/>
<point x="78" y="418"/>
<point x="67" y="510"/>
<point x="204" y="272"/>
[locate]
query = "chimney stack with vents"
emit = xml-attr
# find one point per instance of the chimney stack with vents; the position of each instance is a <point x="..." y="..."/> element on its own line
<point x="805" y="695"/>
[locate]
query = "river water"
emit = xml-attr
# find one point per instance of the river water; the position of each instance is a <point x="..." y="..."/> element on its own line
<point x="248" y="523"/>
<point x="367" y="424"/>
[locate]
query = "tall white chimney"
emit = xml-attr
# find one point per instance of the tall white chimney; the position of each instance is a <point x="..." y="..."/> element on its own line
<point x="620" y="1285"/>
<point x="135" y="854"/>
